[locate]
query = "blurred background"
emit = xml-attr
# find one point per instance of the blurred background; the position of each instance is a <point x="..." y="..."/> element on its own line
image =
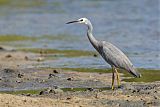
<point x="131" y="25"/>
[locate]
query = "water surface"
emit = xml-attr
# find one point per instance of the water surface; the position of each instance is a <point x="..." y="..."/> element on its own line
<point x="130" y="25"/>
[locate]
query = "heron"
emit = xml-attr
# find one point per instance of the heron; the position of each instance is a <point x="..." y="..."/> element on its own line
<point x="110" y="53"/>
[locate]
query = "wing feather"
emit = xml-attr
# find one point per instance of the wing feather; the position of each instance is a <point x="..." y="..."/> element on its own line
<point x="116" y="57"/>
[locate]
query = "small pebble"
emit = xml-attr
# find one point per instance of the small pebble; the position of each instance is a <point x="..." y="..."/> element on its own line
<point x="133" y="91"/>
<point x="40" y="59"/>
<point x="55" y="87"/>
<point x="138" y="90"/>
<point x="90" y="89"/>
<point x="26" y="58"/>
<point x="9" y="70"/>
<point x="1" y="48"/>
<point x="28" y="94"/>
<point x="155" y="97"/>
<point x="95" y="55"/>
<point x="8" y="56"/>
<point x="51" y="75"/>
<point x="55" y="71"/>
<point x="18" y="81"/>
<point x="24" y="100"/>
<point x="56" y="91"/>
<point x="41" y="92"/>
<point x="68" y="98"/>
<point x="69" y="79"/>
<point x="42" y="81"/>
<point x="47" y="91"/>
<point x="20" y="75"/>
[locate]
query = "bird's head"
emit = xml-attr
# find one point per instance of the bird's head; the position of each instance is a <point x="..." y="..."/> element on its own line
<point x="81" y="20"/>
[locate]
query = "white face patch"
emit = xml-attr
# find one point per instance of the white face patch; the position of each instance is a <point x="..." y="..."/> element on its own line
<point x="83" y="20"/>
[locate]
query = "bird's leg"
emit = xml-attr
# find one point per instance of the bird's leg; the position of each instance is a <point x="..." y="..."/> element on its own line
<point x="118" y="77"/>
<point x="112" y="78"/>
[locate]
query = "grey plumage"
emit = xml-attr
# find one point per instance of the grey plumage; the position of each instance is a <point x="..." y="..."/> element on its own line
<point x="110" y="53"/>
<point x="116" y="58"/>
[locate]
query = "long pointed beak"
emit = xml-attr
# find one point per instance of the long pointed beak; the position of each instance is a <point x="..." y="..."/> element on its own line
<point x="72" y="22"/>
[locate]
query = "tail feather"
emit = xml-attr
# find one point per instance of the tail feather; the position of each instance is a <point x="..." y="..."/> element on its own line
<point x="135" y="73"/>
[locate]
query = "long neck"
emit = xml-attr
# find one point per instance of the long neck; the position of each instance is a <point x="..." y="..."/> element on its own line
<point x="91" y="38"/>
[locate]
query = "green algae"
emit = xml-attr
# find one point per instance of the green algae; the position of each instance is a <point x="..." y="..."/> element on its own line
<point x="31" y="4"/>
<point x="22" y="3"/>
<point x="4" y="2"/>
<point x="148" y="75"/>
<point x="22" y="92"/>
<point x="94" y="70"/>
<point x="85" y="89"/>
<point x="11" y="38"/>
<point x="66" y="53"/>
<point x="66" y="37"/>
<point x="37" y="92"/>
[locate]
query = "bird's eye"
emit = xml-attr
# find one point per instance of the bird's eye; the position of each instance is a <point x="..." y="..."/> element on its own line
<point x="81" y="20"/>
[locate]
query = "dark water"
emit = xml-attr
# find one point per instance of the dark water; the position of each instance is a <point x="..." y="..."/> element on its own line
<point x="132" y="25"/>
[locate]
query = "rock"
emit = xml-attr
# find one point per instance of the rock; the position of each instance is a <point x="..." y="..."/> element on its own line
<point x="40" y="59"/>
<point x="95" y="55"/>
<point x="26" y="58"/>
<point x="155" y="91"/>
<point x="56" y="91"/>
<point x="42" y="81"/>
<point x="28" y="94"/>
<point x="18" y="81"/>
<point x="68" y="98"/>
<point x="55" y="87"/>
<point x="8" y="56"/>
<point x="51" y="75"/>
<point x="55" y="71"/>
<point x="90" y="89"/>
<point x="8" y="70"/>
<point x="1" y="48"/>
<point x="133" y="91"/>
<point x="155" y="97"/>
<point x="70" y="79"/>
<point x="49" y="90"/>
<point x="20" y="75"/>
<point x="43" y="92"/>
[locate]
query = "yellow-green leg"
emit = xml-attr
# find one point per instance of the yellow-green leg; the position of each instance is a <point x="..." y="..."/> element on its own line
<point x="112" y="78"/>
<point x="118" y="77"/>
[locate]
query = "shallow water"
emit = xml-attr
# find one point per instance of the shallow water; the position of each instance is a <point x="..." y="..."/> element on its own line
<point x="130" y="25"/>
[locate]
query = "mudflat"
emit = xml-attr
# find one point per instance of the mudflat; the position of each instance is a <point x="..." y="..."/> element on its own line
<point x="25" y="85"/>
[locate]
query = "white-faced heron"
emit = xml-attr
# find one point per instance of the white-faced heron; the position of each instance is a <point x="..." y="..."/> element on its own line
<point x="110" y="53"/>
